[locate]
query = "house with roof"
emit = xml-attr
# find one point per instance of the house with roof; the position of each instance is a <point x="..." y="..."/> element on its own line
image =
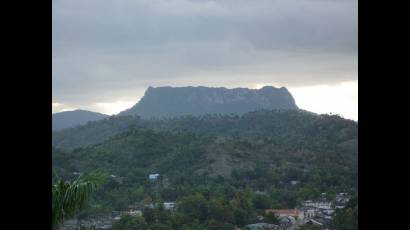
<point x="313" y="222"/>
<point x="286" y="222"/>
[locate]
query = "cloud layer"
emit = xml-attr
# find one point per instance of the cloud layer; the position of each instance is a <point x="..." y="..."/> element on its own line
<point x="106" y="51"/>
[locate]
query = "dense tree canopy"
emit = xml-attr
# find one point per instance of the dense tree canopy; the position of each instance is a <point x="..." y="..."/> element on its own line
<point x="222" y="170"/>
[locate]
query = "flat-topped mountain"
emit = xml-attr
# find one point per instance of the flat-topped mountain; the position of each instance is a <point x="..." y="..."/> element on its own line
<point x="74" y="118"/>
<point x="176" y="101"/>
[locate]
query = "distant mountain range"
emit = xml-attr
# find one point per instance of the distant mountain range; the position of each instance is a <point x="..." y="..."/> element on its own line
<point x="177" y="101"/>
<point x="70" y="119"/>
<point x="166" y="102"/>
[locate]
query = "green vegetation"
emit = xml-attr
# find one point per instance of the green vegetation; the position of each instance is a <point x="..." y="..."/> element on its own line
<point x="222" y="170"/>
<point x="69" y="196"/>
<point x="346" y="219"/>
<point x="128" y="222"/>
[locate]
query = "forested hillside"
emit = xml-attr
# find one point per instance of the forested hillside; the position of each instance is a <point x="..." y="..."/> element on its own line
<point x="294" y="127"/>
<point x="227" y="154"/>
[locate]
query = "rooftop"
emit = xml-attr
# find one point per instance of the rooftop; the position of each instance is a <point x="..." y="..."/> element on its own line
<point x="284" y="212"/>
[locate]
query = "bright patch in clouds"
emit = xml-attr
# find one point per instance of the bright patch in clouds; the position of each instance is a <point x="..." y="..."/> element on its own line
<point x="112" y="108"/>
<point x="259" y="86"/>
<point x="339" y="99"/>
<point x="57" y="107"/>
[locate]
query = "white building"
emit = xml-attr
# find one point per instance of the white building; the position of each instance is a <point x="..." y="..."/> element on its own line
<point x="342" y="198"/>
<point x="310" y="213"/>
<point x="153" y="176"/>
<point x="318" y="204"/>
<point x="328" y="211"/>
<point x="294" y="182"/>
<point x="169" y="205"/>
<point x="135" y="213"/>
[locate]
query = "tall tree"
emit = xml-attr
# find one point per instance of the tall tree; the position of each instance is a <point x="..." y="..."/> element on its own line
<point x="69" y="196"/>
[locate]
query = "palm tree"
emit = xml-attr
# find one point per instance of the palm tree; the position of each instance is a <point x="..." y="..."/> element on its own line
<point x="69" y="196"/>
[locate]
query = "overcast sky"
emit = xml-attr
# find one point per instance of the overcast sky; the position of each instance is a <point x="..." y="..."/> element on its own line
<point x="107" y="52"/>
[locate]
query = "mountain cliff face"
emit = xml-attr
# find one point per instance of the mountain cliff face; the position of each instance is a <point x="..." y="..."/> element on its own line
<point x="74" y="118"/>
<point x="176" y="101"/>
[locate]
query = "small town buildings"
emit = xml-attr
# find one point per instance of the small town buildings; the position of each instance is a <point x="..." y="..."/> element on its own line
<point x="321" y="212"/>
<point x="98" y="224"/>
<point x="342" y="198"/>
<point x="318" y="204"/>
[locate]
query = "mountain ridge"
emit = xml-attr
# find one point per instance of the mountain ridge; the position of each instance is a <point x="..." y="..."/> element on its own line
<point x="167" y="101"/>
<point x="70" y="119"/>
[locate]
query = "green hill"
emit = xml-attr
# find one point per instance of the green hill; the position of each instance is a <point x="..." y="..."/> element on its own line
<point x="263" y="151"/>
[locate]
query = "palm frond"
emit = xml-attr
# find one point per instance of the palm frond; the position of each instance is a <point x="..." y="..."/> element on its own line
<point x="69" y="196"/>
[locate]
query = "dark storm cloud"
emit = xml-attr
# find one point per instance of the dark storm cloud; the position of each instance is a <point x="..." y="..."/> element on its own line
<point x="104" y="49"/>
